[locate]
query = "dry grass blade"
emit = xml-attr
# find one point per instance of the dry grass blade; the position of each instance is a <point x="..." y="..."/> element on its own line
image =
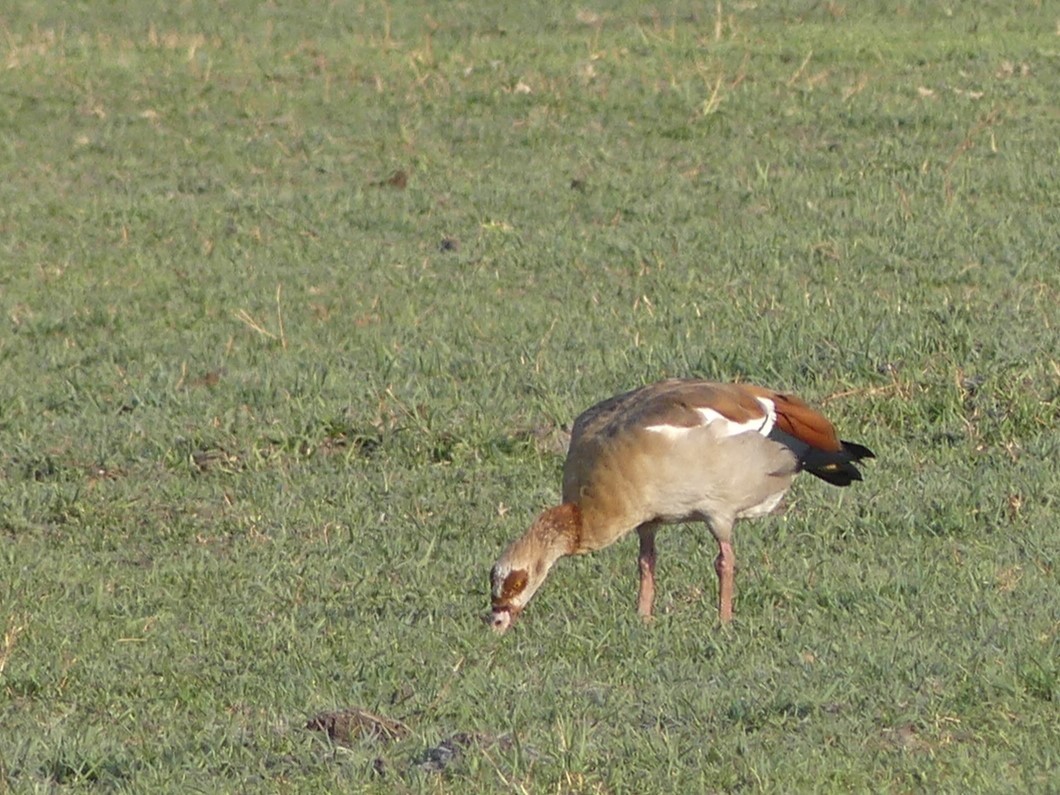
<point x="245" y="317"/>
<point x="985" y="123"/>
<point x="714" y="100"/>
<point x="15" y="627"/>
<point x="802" y="68"/>
<point x="280" y="336"/>
<point x="279" y="317"/>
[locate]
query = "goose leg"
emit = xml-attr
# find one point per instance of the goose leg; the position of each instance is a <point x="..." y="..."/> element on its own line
<point x="646" y="564"/>
<point x="725" y="565"/>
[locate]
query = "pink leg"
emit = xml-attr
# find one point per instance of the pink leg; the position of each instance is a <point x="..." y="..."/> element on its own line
<point x="646" y="563"/>
<point x="725" y="565"/>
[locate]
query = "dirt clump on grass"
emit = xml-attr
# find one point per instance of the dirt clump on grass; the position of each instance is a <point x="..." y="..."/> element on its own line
<point x="452" y="749"/>
<point x="346" y="726"/>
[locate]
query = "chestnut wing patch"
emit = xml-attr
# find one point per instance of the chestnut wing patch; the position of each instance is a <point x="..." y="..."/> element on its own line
<point x="799" y="420"/>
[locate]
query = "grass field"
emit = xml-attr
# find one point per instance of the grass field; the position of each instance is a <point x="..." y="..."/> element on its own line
<point x="296" y="305"/>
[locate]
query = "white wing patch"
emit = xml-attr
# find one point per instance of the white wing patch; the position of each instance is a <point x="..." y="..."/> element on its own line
<point x="723" y="425"/>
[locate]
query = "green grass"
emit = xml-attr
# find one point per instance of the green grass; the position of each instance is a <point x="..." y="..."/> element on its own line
<point x="262" y="434"/>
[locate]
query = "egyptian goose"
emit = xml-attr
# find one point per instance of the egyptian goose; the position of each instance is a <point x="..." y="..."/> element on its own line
<point x="677" y="451"/>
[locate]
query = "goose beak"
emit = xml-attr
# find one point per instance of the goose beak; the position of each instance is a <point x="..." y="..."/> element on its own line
<point x="502" y="617"/>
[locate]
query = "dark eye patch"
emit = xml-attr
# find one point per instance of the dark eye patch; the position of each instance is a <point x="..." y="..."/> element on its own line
<point x="514" y="584"/>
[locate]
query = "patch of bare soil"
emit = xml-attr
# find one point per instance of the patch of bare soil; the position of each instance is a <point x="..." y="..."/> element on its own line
<point x="451" y="749"/>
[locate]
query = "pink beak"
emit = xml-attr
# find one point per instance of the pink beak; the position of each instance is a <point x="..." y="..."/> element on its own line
<point x="502" y="617"/>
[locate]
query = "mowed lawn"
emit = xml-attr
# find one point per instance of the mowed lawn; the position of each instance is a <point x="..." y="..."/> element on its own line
<point x="297" y="306"/>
